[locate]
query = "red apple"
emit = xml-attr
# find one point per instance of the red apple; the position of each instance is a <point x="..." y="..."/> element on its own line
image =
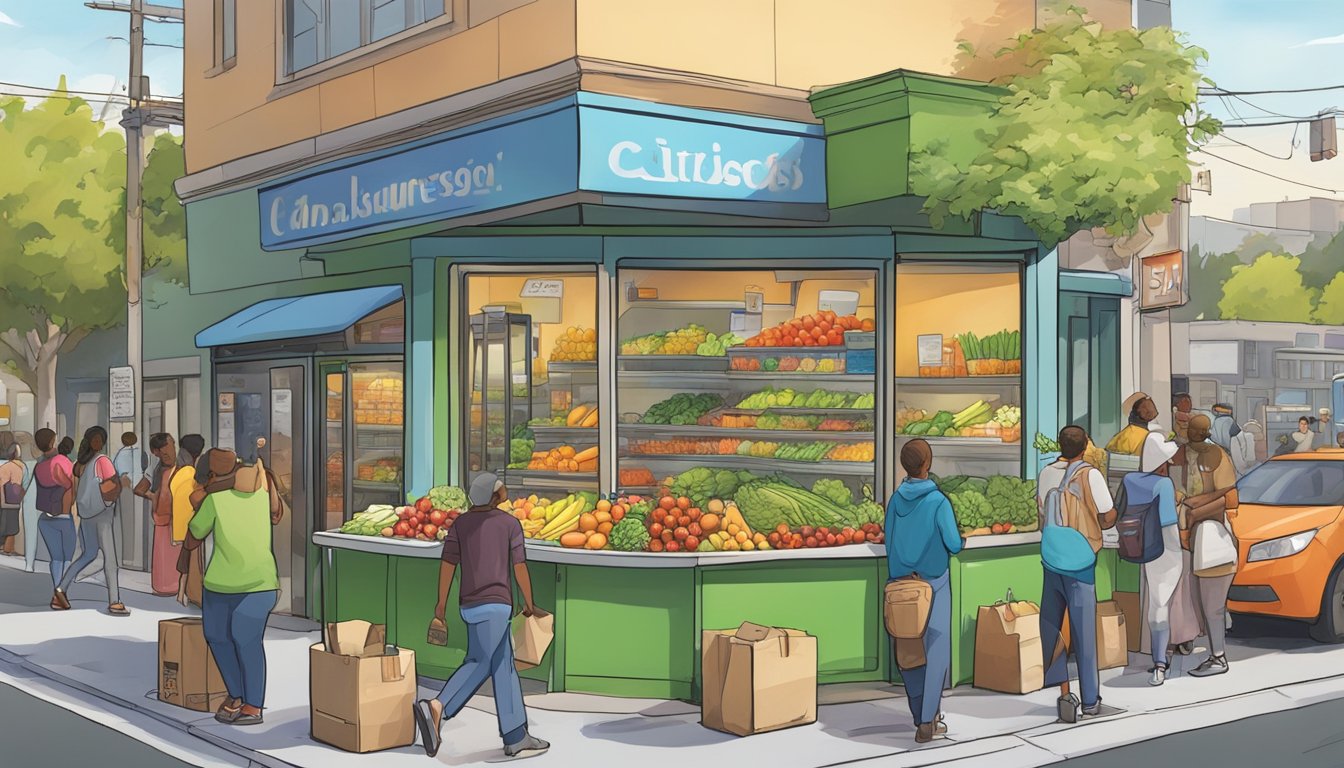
<point x="438" y="516"/>
<point x="402" y="528"/>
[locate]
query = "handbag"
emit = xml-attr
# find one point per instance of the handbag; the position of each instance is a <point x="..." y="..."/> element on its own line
<point x="1215" y="550"/>
<point x="14" y="492"/>
<point x="906" y="603"/>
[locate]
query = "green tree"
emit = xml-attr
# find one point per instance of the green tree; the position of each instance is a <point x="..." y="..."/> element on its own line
<point x="1323" y="260"/>
<point x="1092" y="131"/>
<point x="1208" y="273"/>
<point x="1330" y="309"/>
<point x="61" y="234"/>
<point x="1268" y="289"/>
<point x="165" y="221"/>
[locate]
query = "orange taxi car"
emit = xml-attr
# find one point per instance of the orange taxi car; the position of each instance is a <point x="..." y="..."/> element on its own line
<point x="1292" y="541"/>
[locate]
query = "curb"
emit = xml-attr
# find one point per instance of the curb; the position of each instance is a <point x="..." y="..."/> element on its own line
<point x="253" y="756"/>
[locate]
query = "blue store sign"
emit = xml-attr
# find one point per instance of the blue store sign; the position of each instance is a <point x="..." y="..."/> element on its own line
<point x="594" y="143"/>
<point x="700" y="154"/>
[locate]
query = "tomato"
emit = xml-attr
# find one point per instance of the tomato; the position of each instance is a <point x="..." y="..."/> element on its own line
<point x="656" y="530"/>
<point x="438" y="516"/>
<point x="667" y="503"/>
<point x="691" y="543"/>
<point x="423" y="504"/>
<point x="809" y="323"/>
<point x="681" y="534"/>
<point x="836" y="337"/>
<point x="617" y="514"/>
<point x="683" y="503"/>
<point x="673" y="546"/>
<point x="402" y="528"/>
<point x="860" y="537"/>
<point x="695" y="530"/>
<point x="683" y="521"/>
<point x="810" y="541"/>
<point x="670" y="521"/>
<point x="655" y="546"/>
<point x="782" y="529"/>
<point x="431" y="530"/>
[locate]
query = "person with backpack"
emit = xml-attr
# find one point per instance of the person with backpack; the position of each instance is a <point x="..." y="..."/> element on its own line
<point x="97" y="491"/>
<point x="922" y="535"/>
<point x="1150" y="536"/>
<point x="53" y="477"/>
<point x="156" y="488"/>
<point x="1075" y="505"/>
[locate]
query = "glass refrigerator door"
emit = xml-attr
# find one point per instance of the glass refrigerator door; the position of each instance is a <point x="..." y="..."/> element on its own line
<point x="335" y="510"/>
<point x="500" y="388"/>
<point x="377" y="398"/>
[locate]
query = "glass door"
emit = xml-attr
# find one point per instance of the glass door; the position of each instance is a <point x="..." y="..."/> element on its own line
<point x="335" y="511"/>
<point x="286" y="459"/>
<point x="377" y="406"/>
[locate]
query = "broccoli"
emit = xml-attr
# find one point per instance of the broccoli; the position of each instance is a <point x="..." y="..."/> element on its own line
<point x="630" y="535"/>
<point x="834" y="491"/>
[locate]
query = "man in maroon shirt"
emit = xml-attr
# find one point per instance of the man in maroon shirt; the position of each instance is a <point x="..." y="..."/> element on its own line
<point x="485" y="544"/>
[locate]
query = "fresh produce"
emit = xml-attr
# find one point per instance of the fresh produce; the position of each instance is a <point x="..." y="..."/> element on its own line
<point x="767" y="503"/>
<point x="1008" y="415"/>
<point x="834" y="491"/>
<point x="630" y="535"/>
<point x="906" y="416"/>
<point x="640" y="507"/>
<point x="971" y="509"/>
<point x="592" y="527"/>
<point x="1013" y="499"/>
<point x="855" y="452"/>
<point x="976" y="413"/>
<point x="824" y="329"/>
<point x="1004" y="345"/>
<point x="734" y="538"/>
<point x="1045" y="444"/>
<point x="420" y="522"/>
<point x="940" y="425"/>
<point x="718" y="346"/>
<point x="809" y="537"/>
<point x="674" y="525"/>
<point x="565" y="459"/>
<point x="681" y="409"/>
<point x="562" y="516"/>
<point x="575" y="346"/>
<point x="637" y="477"/>
<point x="701" y="485"/>
<point x="386" y="470"/>
<point x="520" y="451"/>
<point x="954" y="483"/>
<point x="371" y="521"/>
<point x="447" y="497"/>
<point x="817" y="399"/>
<point x="583" y="416"/>
<point x="830" y="361"/>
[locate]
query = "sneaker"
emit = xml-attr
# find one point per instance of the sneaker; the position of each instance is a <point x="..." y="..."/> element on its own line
<point x="1067" y="707"/>
<point x="1093" y="710"/>
<point x="1214" y="665"/>
<point x="1159" y="675"/>
<point x="428" y="724"/>
<point x="530" y="746"/>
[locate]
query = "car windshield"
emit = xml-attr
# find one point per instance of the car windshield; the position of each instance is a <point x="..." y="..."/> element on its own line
<point x="1294" y="483"/>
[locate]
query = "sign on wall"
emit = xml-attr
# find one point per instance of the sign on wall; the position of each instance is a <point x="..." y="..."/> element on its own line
<point x="1162" y="280"/>
<point x="647" y="154"/>
<point x="493" y="168"/>
<point x="120" y="393"/>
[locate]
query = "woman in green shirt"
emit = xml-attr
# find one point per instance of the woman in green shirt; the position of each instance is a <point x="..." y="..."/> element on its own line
<point x="241" y="582"/>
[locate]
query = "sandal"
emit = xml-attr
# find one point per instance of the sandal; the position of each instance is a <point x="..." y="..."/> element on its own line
<point x="227" y="714"/>
<point x="59" y="602"/>
<point x="117" y="609"/>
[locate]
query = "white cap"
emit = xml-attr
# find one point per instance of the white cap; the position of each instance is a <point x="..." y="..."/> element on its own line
<point x="1157" y="451"/>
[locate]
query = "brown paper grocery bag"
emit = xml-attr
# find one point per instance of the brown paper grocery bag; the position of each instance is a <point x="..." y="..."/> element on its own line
<point x="1111" y="636"/>
<point x="532" y="635"/>
<point x="1008" y="654"/>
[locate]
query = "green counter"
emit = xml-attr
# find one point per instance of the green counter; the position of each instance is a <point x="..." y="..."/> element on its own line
<point x="629" y="624"/>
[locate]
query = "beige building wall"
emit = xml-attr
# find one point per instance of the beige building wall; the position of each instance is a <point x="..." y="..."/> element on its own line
<point x="788" y="44"/>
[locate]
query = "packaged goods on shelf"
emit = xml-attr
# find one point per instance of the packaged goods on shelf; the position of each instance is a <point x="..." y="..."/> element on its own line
<point x="637" y="477"/>
<point x="378" y="401"/>
<point x="786" y="360"/>
<point x="384" y="470"/>
<point x="566" y="458"/>
<point x="577" y="345"/>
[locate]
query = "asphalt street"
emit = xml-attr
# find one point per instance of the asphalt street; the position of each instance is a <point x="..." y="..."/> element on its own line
<point x="1303" y="738"/>
<point x="38" y="734"/>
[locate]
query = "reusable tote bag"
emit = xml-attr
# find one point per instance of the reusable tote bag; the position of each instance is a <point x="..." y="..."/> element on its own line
<point x="1215" y="550"/>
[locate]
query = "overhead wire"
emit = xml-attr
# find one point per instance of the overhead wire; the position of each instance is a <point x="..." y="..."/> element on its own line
<point x="1226" y="92"/>
<point x="1270" y="175"/>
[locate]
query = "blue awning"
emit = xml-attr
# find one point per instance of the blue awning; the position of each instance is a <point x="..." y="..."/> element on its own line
<point x="300" y="316"/>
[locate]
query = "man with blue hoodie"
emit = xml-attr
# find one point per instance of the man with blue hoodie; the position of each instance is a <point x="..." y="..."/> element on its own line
<point x="921" y="537"/>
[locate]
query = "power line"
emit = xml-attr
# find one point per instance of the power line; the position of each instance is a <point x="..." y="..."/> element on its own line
<point x="1225" y="92"/>
<point x="57" y="93"/>
<point x="1327" y="113"/>
<point x="1292" y="146"/>
<point x="1267" y="173"/>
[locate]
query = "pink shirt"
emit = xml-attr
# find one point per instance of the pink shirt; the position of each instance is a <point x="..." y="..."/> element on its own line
<point x="57" y="471"/>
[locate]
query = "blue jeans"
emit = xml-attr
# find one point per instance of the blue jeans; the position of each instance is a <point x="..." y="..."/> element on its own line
<point x="58" y="533"/>
<point x="925" y="703"/>
<point x="1080" y="599"/>
<point x="489" y="654"/>
<point x="235" y="627"/>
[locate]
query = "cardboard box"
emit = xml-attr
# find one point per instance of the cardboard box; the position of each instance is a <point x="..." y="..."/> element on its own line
<point x="1132" y="607"/>
<point x="188" y="676"/>
<point x="360" y="698"/>
<point x="758" y="679"/>
<point x="1008" y="655"/>
<point x="1112" y="648"/>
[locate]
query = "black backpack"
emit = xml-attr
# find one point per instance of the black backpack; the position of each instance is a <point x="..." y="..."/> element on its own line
<point x="1139" y="527"/>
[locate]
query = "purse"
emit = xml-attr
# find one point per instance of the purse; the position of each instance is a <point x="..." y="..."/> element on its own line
<point x="906" y="603"/>
<point x="1215" y="550"/>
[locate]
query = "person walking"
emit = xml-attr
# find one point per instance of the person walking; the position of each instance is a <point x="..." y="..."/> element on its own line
<point x="1074" y="506"/>
<point x="1304" y="439"/>
<point x="1209" y="482"/>
<point x="1161" y="577"/>
<point x="53" y="476"/>
<point x="485" y="544"/>
<point x="1243" y="451"/>
<point x="29" y="516"/>
<point x="921" y="537"/>
<point x="13" y="487"/>
<point x="241" y="584"/>
<point x="156" y="487"/>
<point x="97" y="489"/>
<point x="182" y="487"/>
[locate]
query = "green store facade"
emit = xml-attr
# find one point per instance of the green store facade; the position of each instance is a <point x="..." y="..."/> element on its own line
<point x="311" y="291"/>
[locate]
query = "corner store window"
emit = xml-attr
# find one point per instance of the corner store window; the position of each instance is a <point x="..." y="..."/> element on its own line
<point x="531" y="380"/>
<point x="798" y="400"/>
<point x="959" y="386"/>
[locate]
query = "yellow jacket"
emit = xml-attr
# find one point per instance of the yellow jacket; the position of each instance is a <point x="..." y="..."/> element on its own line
<point x="1128" y="441"/>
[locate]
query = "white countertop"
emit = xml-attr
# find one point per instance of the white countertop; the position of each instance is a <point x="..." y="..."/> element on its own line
<point x="548" y="553"/>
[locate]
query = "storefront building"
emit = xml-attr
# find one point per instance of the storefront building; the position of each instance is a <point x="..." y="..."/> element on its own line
<point x="538" y="291"/>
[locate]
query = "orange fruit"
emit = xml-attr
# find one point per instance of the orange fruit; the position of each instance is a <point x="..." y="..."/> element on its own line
<point x="587" y="522"/>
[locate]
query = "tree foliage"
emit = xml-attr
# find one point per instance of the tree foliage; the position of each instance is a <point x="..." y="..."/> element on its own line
<point x="165" y="221"/>
<point x="1330" y="308"/>
<point x="1093" y="131"/>
<point x="1268" y="289"/>
<point x="1323" y="260"/>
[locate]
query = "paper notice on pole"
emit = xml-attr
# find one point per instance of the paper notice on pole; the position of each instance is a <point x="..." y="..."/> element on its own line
<point x="121" y="393"/>
<point x="931" y="349"/>
<point x="225" y="439"/>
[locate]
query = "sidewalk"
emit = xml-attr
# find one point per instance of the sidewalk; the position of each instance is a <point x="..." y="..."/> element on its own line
<point x="110" y="663"/>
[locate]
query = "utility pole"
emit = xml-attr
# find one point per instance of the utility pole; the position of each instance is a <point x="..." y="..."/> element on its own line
<point x="143" y="112"/>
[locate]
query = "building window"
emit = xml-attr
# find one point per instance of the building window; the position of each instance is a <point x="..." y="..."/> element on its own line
<point x="1250" y="359"/>
<point x="226" y="33"/>
<point x="319" y="30"/>
<point x="1287" y="369"/>
<point x="1307" y="341"/>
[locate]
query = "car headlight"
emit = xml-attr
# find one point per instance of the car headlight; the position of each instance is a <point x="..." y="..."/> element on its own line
<point x="1281" y="547"/>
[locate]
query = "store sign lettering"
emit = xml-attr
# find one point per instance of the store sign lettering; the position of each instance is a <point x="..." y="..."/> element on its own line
<point x="482" y="171"/>
<point x="1163" y="280"/>
<point x="633" y="153"/>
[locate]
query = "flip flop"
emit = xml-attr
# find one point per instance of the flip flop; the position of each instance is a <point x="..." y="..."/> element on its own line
<point x="430" y="738"/>
<point x="117" y="609"/>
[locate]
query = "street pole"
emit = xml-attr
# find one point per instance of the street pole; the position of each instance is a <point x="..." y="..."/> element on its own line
<point x="143" y="111"/>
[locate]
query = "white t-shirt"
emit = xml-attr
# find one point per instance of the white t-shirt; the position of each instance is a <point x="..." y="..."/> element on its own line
<point x="1053" y="475"/>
